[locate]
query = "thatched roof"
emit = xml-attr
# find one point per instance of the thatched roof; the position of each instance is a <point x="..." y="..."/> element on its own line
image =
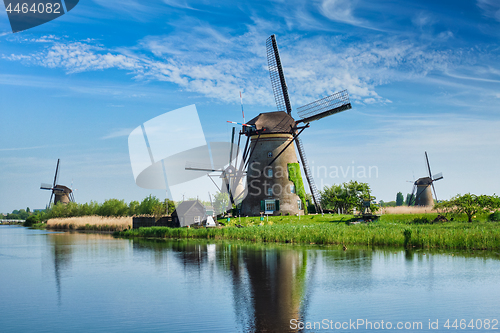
<point x="273" y="122"/>
<point x="424" y="181"/>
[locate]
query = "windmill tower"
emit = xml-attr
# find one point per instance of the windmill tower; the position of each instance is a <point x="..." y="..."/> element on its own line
<point x="274" y="182"/>
<point x="61" y="193"/>
<point x="421" y="194"/>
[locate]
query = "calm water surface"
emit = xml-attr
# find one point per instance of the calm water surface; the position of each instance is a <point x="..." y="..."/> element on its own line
<point x="74" y="282"/>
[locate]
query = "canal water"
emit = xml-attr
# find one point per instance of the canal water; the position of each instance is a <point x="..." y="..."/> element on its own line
<point x="81" y="282"/>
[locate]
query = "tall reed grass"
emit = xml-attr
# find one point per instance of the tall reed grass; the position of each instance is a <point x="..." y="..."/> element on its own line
<point x="407" y="210"/>
<point x="97" y="223"/>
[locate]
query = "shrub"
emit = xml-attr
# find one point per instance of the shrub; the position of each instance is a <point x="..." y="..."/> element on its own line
<point x="495" y="216"/>
<point x="33" y="219"/>
<point x="421" y="220"/>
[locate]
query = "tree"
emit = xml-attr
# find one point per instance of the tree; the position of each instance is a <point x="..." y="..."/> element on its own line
<point x="221" y="203"/>
<point x="113" y="207"/>
<point x="468" y="204"/>
<point x="407" y="200"/>
<point x="163" y="208"/>
<point x="346" y="196"/>
<point x="146" y="206"/>
<point x="399" y="199"/>
<point x="133" y="208"/>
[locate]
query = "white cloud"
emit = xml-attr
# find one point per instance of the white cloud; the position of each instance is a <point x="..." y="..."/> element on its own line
<point x="490" y="8"/>
<point x="118" y="133"/>
<point x="339" y="10"/>
<point x="23" y="148"/>
<point x="217" y="65"/>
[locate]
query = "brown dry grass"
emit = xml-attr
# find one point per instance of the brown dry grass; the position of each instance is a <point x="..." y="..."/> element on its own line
<point x="407" y="210"/>
<point x="98" y="223"/>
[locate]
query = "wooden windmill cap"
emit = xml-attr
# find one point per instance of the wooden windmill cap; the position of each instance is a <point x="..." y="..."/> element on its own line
<point x="62" y="188"/>
<point x="273" y="122"/>
<point x="424" y="181"/>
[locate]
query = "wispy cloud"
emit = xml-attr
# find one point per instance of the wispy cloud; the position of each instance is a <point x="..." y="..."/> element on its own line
<point x="118" y="133"/>
<point x="24" y="148"/>
<point x="339" y="10"/>
<point x="212" y="62"/>
<point x="490" y="8"/>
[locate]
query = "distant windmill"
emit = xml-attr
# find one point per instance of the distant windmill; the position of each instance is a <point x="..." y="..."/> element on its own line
<point x="232" y="179"/>
<point x="421" y="194"/>
<point x="61" y="193"/>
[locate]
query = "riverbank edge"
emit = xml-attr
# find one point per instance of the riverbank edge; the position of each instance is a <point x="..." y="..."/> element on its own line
<point x="460" y="236"/>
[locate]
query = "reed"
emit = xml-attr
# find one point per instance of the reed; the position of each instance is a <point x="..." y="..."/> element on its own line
<point x="407" y="210"/>
<point x="96" y="223"/>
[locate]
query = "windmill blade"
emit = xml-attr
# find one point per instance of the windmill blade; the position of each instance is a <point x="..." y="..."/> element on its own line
<point x="414" y="189"/>
<point x="45" y="186"/>
<point x="231" y="147"/>
<point x="55" y="176"/>
<point x="277" y="77"/>
<point x="428" y="165"/>
<point x="312" y="186"/>
<point x="324" y="107"/>
<point x="434" y="189"/>
<point x="237" y="152"/>
<point x="437" y="176"/>
<point x="51" y="195"/>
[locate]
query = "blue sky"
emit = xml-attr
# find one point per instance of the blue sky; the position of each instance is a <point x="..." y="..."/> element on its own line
<point x="422" y="76"/>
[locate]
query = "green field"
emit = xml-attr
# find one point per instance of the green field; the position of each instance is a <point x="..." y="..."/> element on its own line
<point x="389" y="230"/>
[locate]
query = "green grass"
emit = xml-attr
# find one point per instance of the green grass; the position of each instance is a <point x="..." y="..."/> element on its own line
<point x="333" y="229"/>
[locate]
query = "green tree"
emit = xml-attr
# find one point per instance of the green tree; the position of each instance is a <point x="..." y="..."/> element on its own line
<point x="146" y="206"/>
<point x="407" y="200"/>
<point x="88" y="209"/>
<point x="133" y="208"/>
<point x="468" y="204"/>
<point x="164" y="208"/>
<point x="399" y="199"/>
<point x="113" y="207"/>
<point x="221" y="202"/>
<point x="346" y="196"/>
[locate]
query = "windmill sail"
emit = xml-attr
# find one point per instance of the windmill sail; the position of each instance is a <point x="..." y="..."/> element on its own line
<point x="45" y="186"/>
<point x="310" y="180"/>
<point x="283" y="103"/>
<point x="324" y="107"/>
<point x="437" y="176"/>
<point x="277" y="77"/>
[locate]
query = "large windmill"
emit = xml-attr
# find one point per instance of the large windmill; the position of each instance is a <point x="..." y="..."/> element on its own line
<point x="61" y="193"/>
<point x="421" y="194"/>
<point x="274" y="182"/>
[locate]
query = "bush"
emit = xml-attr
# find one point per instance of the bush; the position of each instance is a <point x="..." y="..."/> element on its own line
<point x="33" y="219"/>
<point x="421" y="220"/>
<point x="495" y="216"/>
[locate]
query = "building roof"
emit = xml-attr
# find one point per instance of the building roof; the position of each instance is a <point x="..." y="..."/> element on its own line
<point x="186" y="206"/>
<point x="273" y="122"/>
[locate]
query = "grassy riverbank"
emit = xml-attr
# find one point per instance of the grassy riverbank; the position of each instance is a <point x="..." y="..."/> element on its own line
<point x="390" y="230"/>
